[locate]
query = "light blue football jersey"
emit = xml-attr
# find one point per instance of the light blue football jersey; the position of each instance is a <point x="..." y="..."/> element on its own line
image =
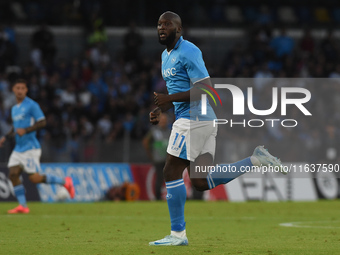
<point x="181" y="68"/>
<point x="25" y="115"/>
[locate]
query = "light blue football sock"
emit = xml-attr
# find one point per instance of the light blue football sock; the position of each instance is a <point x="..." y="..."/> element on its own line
<point x="176" y="197"/>
<point x="19" y="192"/>
<point x="227" y="172"/>
<point x="52" y="179"/>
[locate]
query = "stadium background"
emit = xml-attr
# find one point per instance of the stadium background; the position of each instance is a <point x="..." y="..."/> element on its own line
<point x="93" y="67"/>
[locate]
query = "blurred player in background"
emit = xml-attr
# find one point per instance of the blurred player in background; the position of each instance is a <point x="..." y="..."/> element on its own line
<point x="27" y="118"/>
<point x="193" y="136"/>
<point x="155" y="143"/>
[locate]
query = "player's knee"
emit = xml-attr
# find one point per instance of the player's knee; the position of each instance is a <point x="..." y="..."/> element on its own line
<point x="171" y="173"/>
<point x="200" y="187"/>
<point x="174" y="167"/>
<point x="35" y="178"/>
<point x="167" y="173"/>
<point x="200" y="184"/>
<point x="13" y="176"/>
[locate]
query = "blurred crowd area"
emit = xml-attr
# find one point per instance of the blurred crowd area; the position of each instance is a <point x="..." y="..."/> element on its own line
<point x="97" y="104"/>
<point x="198" y="13"/>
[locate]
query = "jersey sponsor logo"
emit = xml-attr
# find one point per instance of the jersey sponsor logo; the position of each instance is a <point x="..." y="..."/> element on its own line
<point x="19" y="117"/>
<point x="169" y="72"/>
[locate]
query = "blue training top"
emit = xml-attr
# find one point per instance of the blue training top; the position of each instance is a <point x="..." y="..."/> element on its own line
<point x="182" y="67"/>
<point x="25" y="115"/>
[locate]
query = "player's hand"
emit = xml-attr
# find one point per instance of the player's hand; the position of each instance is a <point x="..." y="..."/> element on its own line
<point x="21" y="131"/>
<point x="154" y="116"/>
<point x="162" y="101"/>
<point x="2" y="141"/>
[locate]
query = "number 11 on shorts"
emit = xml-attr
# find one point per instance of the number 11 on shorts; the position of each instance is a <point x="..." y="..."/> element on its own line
<point x="174" y="147"/>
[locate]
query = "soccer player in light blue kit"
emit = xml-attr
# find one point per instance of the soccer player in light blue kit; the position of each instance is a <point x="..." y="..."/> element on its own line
<point x="193" y="136"/>
<point x="27" y="117"/>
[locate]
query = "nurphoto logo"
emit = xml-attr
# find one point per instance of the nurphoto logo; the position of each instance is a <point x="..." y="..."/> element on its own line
<point x="284" y="96"/>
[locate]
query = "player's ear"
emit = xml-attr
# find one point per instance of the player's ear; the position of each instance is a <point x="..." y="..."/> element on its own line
<point x="179" y="30"/>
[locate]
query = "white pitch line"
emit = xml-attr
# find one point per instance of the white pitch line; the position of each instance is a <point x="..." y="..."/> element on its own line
<point x="298" y="224"/>
<point x="131" y="217"/>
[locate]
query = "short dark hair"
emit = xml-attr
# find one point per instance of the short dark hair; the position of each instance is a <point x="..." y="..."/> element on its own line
<point x="20" y="81"/>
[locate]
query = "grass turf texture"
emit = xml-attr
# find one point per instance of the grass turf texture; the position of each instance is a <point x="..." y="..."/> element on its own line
<point x="212" y="228"/>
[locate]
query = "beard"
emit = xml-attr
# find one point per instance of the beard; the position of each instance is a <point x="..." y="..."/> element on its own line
<point x="169" y="39"/>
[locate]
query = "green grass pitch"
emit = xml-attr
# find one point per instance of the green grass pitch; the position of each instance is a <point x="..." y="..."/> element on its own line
<point x="212" y="228"/>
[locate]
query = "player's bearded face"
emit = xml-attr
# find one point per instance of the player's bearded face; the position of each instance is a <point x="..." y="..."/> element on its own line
<point x="168" y="39"/>
<point x="20" y="90"/>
